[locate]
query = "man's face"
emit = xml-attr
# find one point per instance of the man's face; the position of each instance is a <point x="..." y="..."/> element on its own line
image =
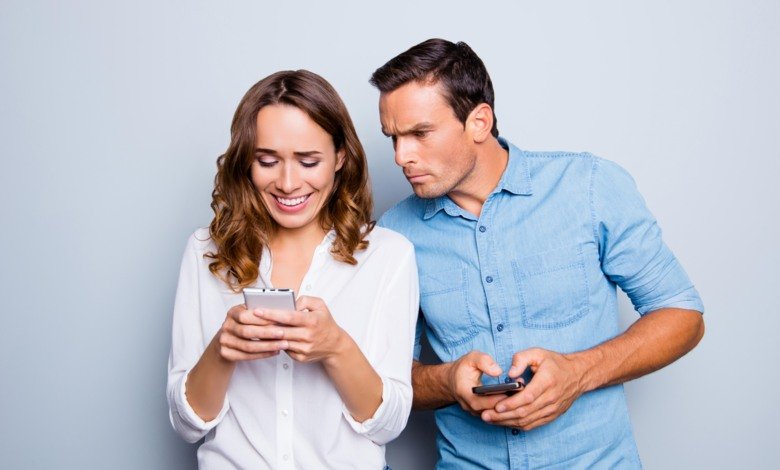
<point x="431" y="145"/>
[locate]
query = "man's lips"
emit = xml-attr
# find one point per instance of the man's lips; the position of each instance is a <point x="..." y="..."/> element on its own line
<point x="414" y="178"/>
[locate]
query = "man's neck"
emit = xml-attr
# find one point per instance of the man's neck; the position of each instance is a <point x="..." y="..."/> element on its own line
<point x="475" y="188"/>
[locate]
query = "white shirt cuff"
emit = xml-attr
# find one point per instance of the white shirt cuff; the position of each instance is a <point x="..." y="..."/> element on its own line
<point x="379" y="428"/>
<point x="188" y="415"/>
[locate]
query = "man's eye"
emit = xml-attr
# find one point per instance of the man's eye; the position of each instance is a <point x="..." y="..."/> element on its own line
<point x="420" y="134"/>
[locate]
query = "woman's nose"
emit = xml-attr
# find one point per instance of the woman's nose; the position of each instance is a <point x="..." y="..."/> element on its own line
<point x="289" y="180"/>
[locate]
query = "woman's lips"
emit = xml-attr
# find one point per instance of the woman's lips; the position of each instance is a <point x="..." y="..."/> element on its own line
<point x="291" y="204"/>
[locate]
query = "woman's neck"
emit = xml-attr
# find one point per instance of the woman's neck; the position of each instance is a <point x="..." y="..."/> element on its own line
<point x="292" y="252"/>
<point x="299" y="239"/>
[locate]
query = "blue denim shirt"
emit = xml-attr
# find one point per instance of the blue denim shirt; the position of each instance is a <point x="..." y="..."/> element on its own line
<point x="539" y="268"/>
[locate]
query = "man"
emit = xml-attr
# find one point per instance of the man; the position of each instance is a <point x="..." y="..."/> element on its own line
<point x="519" y="256"/>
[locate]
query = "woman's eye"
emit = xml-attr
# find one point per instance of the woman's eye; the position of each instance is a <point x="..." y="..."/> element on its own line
<point x="310" y="164"/>
<point x="266" y="163"/>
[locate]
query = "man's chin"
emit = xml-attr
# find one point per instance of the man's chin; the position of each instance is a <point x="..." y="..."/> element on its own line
<point x="426" y="192"/>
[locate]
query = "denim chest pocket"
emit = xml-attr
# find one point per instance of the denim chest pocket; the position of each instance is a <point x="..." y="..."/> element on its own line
<point x="444" y="302"/>
<point x="553" y="287"/>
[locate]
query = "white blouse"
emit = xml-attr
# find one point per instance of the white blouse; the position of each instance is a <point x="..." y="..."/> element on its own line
<point x="283" y="414"/>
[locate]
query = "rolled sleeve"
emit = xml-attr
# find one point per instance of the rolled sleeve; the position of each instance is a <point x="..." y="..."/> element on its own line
<point x="184" y="419"/>
<point x="187" y="345"/>
<point x="632" y="251"/>
<point x="391" y="416"/>
<point x="390" y="351"/>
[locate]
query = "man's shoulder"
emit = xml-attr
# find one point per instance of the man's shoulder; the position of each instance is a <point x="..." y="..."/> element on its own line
<point x="557" y="157"/>
<point x="563" y="157"/>
<point x="557" y="167"/>
<point x="404" y="213"/>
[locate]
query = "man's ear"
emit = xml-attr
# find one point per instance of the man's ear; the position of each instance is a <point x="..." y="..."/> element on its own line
<point x="340" y="155"/>
<point x="480" y="122"/>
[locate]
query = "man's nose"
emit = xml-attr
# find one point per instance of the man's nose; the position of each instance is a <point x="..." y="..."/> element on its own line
<point x="404" y="152"/>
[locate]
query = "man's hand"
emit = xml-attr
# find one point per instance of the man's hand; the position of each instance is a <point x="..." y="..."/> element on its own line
<point x="554" y="387"/>
<point x="466" y="373"/>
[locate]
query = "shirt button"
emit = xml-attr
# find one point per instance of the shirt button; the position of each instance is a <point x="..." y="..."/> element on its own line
<point x="507" y="380"/>
<point x="489" y="279"/>
<point x="286" y="366"/>
<point x="500" y="327"/>
<point x="285" y="413"/>
<point x="286" y="457"/>
<point x="308" y="287"/>
<point x="515" y="432"/>
<point x="482" y="228"/>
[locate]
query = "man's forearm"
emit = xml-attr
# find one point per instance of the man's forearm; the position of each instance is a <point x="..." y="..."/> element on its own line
<point x="652" y="342"/>
<point x="430" y="386"/>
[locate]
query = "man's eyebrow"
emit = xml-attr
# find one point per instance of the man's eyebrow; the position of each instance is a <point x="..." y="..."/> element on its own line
<point x="307" y="153"/>
<point x="419" y="127"/>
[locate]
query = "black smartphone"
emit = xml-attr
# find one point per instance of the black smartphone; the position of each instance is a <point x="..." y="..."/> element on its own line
<point x="494" y="389"/>
<point x="506" y="388"/>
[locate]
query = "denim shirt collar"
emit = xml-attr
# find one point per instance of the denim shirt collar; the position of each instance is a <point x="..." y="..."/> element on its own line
<point x="515" y="180"/>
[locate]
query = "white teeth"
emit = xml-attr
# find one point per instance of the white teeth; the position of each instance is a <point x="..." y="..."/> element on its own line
<point x="291" y="202"/>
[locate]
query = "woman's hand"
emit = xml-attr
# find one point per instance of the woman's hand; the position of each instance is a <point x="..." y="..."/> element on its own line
<point x="245" y="336"/>
<point x="311" y="333"/>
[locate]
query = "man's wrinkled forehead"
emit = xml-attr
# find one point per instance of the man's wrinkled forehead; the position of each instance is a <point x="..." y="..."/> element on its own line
<point x="411" y="105"/>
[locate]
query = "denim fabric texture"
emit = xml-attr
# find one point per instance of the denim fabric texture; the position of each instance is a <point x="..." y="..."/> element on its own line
<point x="539" y="268"/>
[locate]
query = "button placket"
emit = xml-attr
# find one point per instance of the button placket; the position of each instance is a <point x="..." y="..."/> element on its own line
<point x="318" y="260"/>
<point x="284" y="409"/>
<point x="490" y="264"/>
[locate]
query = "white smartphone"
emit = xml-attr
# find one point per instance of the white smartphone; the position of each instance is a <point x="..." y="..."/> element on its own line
<point x="277" y="299"/>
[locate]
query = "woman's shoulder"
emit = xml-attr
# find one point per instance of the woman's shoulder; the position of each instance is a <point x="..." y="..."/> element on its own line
<point x="200" y="241"/>
<point x="388" y="241"/>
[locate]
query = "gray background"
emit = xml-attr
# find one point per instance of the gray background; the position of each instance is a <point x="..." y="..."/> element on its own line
<point x="112" y="116"/>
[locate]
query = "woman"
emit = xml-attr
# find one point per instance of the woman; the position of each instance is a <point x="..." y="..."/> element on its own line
<point x="327" y="385"/>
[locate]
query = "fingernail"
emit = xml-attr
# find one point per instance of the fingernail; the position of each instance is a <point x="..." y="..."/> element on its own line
<point x="485" y="417"/>
<point x="500" y="408"/>
<point x="284" y="345"/>
<point x="258" y="313"/>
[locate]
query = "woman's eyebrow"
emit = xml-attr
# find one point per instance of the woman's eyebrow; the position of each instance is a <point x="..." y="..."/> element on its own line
<point x="303" y="153"/>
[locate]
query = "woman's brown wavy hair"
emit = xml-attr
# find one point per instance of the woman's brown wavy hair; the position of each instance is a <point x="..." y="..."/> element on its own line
<point x="242" y="225"/>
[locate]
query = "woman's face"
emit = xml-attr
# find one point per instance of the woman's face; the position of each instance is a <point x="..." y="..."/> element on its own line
<point x="294" y="167"/>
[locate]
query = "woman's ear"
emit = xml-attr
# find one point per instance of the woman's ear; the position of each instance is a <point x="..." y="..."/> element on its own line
<point x="340" y="156"/>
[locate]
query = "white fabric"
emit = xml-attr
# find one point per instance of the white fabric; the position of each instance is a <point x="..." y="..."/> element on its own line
<point x="282" y="414"/>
